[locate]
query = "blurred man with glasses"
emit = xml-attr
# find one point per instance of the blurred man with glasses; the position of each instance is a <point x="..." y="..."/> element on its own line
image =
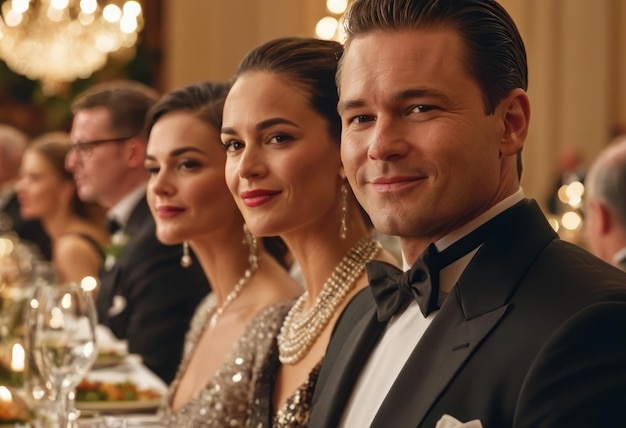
<point x="145" y="295"/>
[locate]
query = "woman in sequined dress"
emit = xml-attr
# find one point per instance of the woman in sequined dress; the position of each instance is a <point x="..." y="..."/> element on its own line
<point x="232" y="329"/>
<point x="281" y="131"/>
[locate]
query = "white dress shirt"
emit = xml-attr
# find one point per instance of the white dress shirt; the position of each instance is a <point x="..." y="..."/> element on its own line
<point x="122" y="211"/>
<point x="405" y="330"/>
<point x="619" y="256"/>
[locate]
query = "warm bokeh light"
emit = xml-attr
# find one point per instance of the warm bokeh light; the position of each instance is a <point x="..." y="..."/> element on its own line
<point x="17" y="358"/>
<point x="59" y="41"/>
<point x="571" y="220"/>
<point x="89" y="283"/>
<point x="112" y="13"/>
<point x="554" y="223"/>
<point x="337" y="7"/>
<point x="326" y="28"/>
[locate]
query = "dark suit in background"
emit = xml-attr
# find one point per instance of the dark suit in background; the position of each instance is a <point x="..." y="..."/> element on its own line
<point x="148" y="298"/>
<point x="545" y="346"/>
<point x="28" y="230"/>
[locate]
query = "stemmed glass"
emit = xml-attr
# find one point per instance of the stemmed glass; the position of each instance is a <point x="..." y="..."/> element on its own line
<point x="63" y="342"/>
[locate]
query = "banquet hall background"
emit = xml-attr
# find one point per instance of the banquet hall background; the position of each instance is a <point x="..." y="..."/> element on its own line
<point x="576" y="49"/>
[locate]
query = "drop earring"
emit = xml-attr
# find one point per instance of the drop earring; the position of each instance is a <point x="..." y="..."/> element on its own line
<point x="185" y="260"/>
<point x="250" y="240"/>
<point x="343" y="229"/>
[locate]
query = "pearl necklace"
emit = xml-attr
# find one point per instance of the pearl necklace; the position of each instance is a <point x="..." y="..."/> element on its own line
<point x="233" y="294"/>
<point x="301" y="329"/>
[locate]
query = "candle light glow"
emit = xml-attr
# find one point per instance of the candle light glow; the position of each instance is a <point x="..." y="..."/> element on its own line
<point x="5" y="394"/>
<point x="17" y="358"/>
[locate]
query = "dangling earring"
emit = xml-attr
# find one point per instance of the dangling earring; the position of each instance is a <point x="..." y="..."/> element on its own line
<point x="250" y="240"/>
<point x="343" y="229"/>
<point x="186" y="260"/>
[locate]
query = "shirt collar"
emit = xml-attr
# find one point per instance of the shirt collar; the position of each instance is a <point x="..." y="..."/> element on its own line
<point x="121" y="212"/>
<point x="458" y="266"/>
<point x="619" y="256"/>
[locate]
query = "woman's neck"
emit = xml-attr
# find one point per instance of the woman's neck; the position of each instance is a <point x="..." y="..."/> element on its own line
<point x="224" y="261"/>
<point x="59" y="223"/>
<point x="318" y="255"/>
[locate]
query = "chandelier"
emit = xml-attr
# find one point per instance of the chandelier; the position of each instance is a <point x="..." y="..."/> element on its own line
<point x="58" y="41"/>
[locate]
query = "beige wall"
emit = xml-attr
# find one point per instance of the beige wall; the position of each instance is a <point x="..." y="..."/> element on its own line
<point x="206" y="39"/>
<point x="577" y="66"/>
<point x="576" y="50"/>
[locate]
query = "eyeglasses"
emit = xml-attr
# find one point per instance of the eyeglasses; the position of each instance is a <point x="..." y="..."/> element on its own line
<point x="86" y="147"/>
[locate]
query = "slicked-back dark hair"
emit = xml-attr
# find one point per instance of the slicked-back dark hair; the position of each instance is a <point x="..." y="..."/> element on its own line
<point x="309" y="63"/>
<point x="495" y="54"/>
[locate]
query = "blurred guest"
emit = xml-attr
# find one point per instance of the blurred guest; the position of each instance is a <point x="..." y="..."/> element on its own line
<point x="281" y="132"/>
<point x="233" y="328"/>
<point x="12" y="145"/>
<point x="46" y="191"/>
<point x="605" y="204"/>
<point x="145" y="295"/>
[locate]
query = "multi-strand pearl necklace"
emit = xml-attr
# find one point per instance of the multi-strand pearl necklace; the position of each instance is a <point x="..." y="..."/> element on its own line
<point x="301" y="328"/>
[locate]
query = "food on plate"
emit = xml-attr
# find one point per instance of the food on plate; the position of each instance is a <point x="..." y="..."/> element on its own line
<point x="89" y="390"/>
<point x="109" y="358"/>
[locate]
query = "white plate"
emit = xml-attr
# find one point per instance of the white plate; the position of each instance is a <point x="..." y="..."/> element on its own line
<point x="109" y="360"/>
<point x="118" y="406"/>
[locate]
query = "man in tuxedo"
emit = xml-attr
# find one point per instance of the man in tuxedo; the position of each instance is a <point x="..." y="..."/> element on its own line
<point x="605" y="204"/>
<point x="498" y="321"/>
<point x="145" y="295"/>
<point x="12" y="145"/>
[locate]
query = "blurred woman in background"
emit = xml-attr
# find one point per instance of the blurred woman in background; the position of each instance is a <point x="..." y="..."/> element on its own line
<point x="46" y="191"/>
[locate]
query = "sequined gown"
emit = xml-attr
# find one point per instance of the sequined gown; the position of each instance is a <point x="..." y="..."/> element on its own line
<point x="225" y="401"/>
<point x="294" y="413"/>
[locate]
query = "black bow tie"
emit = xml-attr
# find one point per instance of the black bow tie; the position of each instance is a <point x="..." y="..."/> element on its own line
<point x="113" y="226"/>
<point x="394" y="289"/>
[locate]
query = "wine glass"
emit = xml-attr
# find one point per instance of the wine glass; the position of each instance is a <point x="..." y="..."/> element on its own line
<point x="63" y="343"/>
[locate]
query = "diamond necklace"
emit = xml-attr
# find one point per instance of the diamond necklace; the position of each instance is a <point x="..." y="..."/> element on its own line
<point x="301" y="328"/>
<point x="233" y="294"/>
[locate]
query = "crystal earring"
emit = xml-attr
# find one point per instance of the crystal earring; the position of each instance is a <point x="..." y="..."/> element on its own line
<point x="250" y="240"/>
<point x="185" y="260"/>
<point x="343" y="229"/>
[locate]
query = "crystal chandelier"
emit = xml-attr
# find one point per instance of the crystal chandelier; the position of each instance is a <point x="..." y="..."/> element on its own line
<point x="58" y="41"/>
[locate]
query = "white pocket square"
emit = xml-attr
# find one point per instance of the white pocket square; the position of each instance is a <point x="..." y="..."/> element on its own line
<point x="118" y="305"/>
<point x="448" y="421"/>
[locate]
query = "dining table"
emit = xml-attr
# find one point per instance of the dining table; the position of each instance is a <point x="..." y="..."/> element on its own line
<point x="115" y="366"/>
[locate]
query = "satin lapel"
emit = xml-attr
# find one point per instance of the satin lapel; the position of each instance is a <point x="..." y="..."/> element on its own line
<point x="443" y="349"/>
<point x="471" y="311"/>
<point x="349" y="349"/>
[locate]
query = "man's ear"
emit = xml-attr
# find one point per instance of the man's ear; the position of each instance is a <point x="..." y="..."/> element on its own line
<point x="516" y="117"/>
<point x="136" y="152"/>
<point x="605" y="220"/>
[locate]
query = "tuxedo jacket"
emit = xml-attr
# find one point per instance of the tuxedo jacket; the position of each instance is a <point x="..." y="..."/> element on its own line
<point x="532" y="335"/>
<point x="30" y="231"/>
<point x="148" y="298"/>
